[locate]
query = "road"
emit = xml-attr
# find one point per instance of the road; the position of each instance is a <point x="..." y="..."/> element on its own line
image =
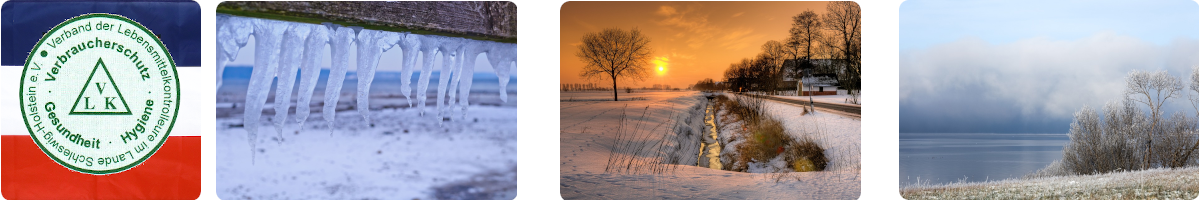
<point x="843" y="109"/>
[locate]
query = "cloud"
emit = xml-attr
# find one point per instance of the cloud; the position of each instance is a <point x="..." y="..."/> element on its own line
<point x="682" y="56"/>
<point x="697" y="32"/>
<point x="666" y="11"/>
<point x="737" y="14"/>
<point x="1031" y="85"/>
<point x="586" y="25"/>
<point x="693" y="23"/>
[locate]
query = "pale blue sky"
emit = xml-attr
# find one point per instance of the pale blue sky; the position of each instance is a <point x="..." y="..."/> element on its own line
<point x="924" y="23"/>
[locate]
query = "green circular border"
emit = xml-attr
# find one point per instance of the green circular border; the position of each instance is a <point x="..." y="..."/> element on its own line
<point x="178" y="94"/>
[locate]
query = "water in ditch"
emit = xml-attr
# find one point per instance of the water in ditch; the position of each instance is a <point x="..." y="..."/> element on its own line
<point x="710" y="147"/>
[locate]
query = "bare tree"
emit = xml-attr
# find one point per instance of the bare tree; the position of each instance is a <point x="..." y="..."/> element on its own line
<point x="777" y="51"/>
<point x="1152" y="89"/>
<point x="805" y="32"/>
<point x="774" y="55"/>
<point x="806" y="29"/>
<point x="844" y="19"/>
<point x="1129" y="138"/>
<point x="614" y="54"/>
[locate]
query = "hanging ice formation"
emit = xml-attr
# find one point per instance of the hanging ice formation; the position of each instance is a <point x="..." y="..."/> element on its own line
<point x="268" y="35"/>
<point x="409" y="45"/>
<point x="283" y="48"/>
<point x="222" y="37"/>
<point x="448" y="46"/>
<point x="503" y="57"/>
<point x="310" y="71"/>
<point x="370" y="44"/>
<point x="289" y="61"/>
<point x="339" y="48"/>
<point x="429" y="47"/>
<point x="232" y="34"/>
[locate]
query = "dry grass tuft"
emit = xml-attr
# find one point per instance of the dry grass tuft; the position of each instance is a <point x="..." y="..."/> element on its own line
<point x="766" y="139"/>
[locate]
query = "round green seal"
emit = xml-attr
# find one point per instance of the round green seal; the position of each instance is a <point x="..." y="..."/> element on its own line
<point x="99" y="93"/>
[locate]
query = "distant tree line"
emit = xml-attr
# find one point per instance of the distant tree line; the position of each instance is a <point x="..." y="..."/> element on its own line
<point x="707" y="85"/>
<point x="834" y="37"/>
<point x="582" y="87"/>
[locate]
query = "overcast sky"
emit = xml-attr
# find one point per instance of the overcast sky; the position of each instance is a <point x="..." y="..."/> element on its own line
<point x="1027" y="66"/>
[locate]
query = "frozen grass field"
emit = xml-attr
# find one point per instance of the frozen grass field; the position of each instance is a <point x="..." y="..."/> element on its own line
<point x="589" y="120"/>
<point x="1178" y="183"/>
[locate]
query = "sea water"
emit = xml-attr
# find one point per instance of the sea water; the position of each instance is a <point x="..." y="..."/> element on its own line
<point x="937" y="158"/>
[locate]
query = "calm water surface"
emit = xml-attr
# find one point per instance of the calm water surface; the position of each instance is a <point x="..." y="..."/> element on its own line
<point x="950" y="157"/>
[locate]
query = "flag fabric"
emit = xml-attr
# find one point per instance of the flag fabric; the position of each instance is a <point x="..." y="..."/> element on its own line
<point x="173" y="171"/>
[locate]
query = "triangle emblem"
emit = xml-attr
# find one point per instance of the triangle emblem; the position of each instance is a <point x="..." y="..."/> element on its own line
<point x="100" y="95"/>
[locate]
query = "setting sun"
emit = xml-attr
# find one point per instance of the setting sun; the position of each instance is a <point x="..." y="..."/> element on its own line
<point x="662" y="64"/>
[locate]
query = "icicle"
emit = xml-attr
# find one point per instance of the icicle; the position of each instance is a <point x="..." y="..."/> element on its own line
<point x="449" y="46"/>
<point x="502" y="57"/>
<point x="429" y="46"/>
<point x="339" y="47"/>
<point x="459" y="57"/>
<point x="409" y="45"/>
<point x="232" y="34"/>
<point x="464" y="91"/>
<point x="267" y="34"/>
<point x="289" y="61"/>
<point x="310" y="70"/>
<point x="222" y="36"/>
<point x="370" y="44"/>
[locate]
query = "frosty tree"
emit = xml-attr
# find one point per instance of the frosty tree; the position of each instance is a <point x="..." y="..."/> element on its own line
<point x="1152" y="89"/>
<point x="614" y="54"/>
<point x="1129" y="138"/>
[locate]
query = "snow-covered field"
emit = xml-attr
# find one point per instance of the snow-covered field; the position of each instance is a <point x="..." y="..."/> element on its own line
<point x="588" y="123"/>
<point x="365" y="144"/>
<point x="841" y="136"/>
<point x="1146" y="184"/>
<point x="403" y="156"/>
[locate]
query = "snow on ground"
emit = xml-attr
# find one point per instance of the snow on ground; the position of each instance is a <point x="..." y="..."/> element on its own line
<point x="402" y="156"/>
<point x="1177" y="183"/>
<point x="839" y="135"/>
<point x="587" y="127"/>
<point x="841" y="98"/>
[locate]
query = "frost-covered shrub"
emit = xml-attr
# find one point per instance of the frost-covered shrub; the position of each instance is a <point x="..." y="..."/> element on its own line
<point x="1100" y="147"/>
<point x="1176" y="146"/>
<point x="1128" y="139"/>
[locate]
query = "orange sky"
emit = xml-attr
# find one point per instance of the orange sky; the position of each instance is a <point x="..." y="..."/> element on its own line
<point x="694" y="40"/>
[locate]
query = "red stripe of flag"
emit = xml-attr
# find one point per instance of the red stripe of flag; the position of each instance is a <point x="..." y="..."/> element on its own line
<point x="172" y="173"/>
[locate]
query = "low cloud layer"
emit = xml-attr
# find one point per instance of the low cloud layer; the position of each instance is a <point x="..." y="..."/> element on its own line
<point x="1032" y="85"/>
